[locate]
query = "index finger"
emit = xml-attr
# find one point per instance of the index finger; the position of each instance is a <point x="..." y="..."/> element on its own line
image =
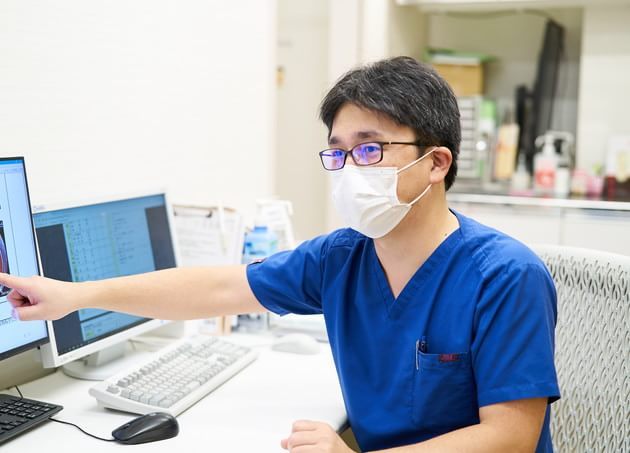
<point x="8" y="280"/>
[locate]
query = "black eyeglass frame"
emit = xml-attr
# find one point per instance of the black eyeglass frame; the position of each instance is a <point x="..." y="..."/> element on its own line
<point x="417" y="143"/>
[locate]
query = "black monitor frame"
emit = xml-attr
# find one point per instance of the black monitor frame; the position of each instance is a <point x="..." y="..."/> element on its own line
<point x="534" y="109"/>
<point x="46" y="339"/>
<point x="545" y="88"/>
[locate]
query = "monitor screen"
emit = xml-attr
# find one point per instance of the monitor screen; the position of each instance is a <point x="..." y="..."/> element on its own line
<point x="99" y="241"/>
<point x="547" y="77"/>
<point x="18" y="256"/>
<point x="535" y="109"/>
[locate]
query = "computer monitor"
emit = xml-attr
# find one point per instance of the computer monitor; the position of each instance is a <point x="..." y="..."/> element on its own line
<point x="534" y="109"/>
<point x="544" y="94"/>
<point x="18" y="256"/>
<point x="96" y="241"/>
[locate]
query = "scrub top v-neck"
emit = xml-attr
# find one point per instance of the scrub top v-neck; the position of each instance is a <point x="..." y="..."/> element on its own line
<point x="396" y="305"/>
<point x="474" y="326"/>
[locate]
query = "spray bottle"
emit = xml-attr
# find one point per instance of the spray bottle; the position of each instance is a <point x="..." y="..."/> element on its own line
<point x="552" y="171"/>
<point x="545" y="165"/>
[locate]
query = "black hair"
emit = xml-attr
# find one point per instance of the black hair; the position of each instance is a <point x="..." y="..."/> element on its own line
<point x="408" y="92"/>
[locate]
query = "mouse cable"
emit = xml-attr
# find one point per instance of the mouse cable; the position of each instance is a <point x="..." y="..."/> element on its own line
<point x="68" y="423"/>
<point x="81" y="429"/>
<point x="19" y="391"/>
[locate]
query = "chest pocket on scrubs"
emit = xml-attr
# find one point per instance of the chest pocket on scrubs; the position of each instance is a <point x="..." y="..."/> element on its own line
<point x="444" y="392"/>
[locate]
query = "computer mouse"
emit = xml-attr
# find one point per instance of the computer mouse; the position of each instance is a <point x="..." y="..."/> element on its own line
<point x="297" y="343"/>
<point x="147" y="428"/>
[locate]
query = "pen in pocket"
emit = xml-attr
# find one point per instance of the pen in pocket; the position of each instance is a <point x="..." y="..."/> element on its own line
<point x="421" y="347"/>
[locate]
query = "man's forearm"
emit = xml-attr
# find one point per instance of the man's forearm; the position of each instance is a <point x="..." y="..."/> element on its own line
<point x="182" y="293"/>
<point x="480" y="438"/>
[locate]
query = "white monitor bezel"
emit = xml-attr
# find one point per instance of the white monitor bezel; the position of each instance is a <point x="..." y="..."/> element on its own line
<point x="49" y="353"/>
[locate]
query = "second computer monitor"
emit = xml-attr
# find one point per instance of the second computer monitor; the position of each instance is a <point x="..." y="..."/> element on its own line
<point x="94" y="242"/>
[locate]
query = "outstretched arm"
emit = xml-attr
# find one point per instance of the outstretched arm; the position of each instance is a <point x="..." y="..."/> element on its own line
<point x="181" y="293"/>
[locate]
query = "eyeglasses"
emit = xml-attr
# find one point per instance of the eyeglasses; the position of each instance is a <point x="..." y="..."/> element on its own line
<point x="363" y="154"/>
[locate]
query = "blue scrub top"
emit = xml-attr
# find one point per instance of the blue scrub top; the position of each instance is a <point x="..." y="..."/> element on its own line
<point x="474" y="326"/>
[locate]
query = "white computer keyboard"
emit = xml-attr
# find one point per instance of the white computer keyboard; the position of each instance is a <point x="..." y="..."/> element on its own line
<point x="174" y="378"/>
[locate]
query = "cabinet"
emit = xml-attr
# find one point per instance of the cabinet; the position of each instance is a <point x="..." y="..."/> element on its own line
<point x="588" y="224"/>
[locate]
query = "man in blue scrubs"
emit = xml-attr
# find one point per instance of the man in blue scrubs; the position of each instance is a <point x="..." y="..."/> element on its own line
<point x="442" y="329"/>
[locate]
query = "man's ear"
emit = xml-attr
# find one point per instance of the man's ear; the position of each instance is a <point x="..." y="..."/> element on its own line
<point x="442" y="159"/>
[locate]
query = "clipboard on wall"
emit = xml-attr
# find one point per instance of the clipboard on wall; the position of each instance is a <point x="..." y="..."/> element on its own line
<point x="209" y="236"/>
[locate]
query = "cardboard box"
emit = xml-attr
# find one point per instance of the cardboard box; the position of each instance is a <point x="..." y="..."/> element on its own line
<point x="464" y="79"/>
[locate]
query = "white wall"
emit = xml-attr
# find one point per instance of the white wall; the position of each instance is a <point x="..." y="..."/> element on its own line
<point x="303" y="58"/>
<point x="344" y="52"/>
<point x="318" y="42"/>
<point x="604" y="81"/>
<point x="372" y="30"/>
<point x="389" y="29"/>
<point x="105" y="97"/>
<point x="113" y="96"/>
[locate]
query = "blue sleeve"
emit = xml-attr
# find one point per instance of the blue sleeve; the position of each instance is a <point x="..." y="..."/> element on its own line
<point x="290" y="282"/>
<point x="513" y="346"/>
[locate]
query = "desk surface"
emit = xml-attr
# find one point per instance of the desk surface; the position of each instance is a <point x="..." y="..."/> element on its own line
<point x="251" y="412"/>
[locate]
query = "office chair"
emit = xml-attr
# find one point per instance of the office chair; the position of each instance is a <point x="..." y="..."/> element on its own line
<point x="592" y="349"/>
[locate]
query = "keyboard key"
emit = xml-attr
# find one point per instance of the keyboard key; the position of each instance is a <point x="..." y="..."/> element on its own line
<point x="167" y="402"/>
<point x="135" y="395"/>
<point x="155" y="400"/>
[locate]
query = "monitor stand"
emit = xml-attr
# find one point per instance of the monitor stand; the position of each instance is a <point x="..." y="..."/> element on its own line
<point x="109" y="361"/>
<point x="102" y="364"/>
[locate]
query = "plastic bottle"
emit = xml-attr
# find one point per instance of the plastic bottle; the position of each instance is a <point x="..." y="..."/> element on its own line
<point x="562" y="185"/>
<point x="259" y="244"/>
<point x="545" y="166"/>
<point x="507" y="145"/>
<point x="521" y="181"/>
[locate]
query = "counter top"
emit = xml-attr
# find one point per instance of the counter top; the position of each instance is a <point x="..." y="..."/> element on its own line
<point x="252" y="411"/>
<point x="506" y="199"/>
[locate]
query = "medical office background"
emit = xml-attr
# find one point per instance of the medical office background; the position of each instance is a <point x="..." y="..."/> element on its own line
<point x="217" y="101"/>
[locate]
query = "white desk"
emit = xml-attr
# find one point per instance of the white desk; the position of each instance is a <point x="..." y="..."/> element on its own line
<point x="251" y="412"/>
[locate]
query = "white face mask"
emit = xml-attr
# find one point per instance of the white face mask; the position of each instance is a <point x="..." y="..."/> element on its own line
<point x="366" y="198"/>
